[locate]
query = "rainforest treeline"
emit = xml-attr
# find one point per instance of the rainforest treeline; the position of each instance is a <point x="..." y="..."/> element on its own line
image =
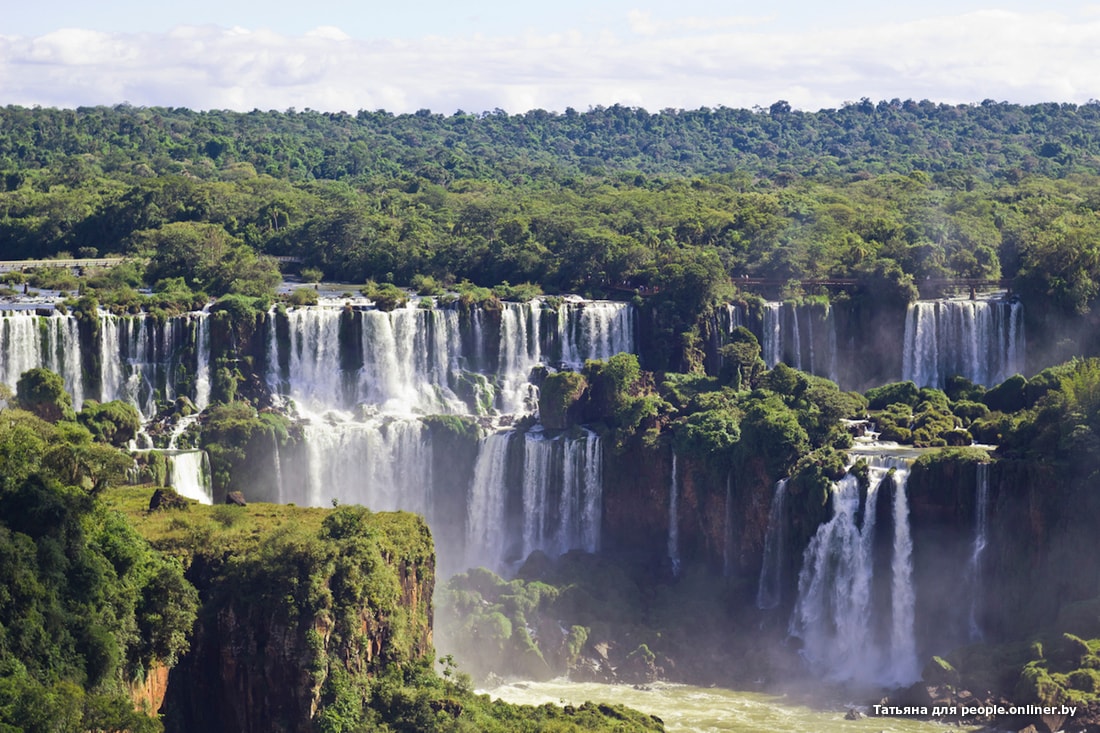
<point x="610" y="199"/>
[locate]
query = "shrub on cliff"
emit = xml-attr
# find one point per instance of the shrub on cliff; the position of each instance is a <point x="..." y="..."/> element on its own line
<point x="238" y="441"/>
<point x="623" y="396"/>
<point x="561" y="399"/>
<point x="905" y="393"/>
<point x="43" y="392"/>
<point x="741" y="366"/>
<point x="115" y="422"/>
<point x="771" y="430"/>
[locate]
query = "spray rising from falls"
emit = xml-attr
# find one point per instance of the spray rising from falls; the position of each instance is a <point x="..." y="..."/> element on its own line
<point x="980" y="340"/>
<point x="845" y="636"/>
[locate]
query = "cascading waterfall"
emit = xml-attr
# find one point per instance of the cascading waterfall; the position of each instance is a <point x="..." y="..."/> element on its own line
<point x="769" y="590"/>
<point x="28" y="341"/>
<point x="562" y="493"/>
<point x="797" y="334"/>
<point x="400" y="365"/>
<point x="189" y="475"/>
<point x="772" y="343"/>
<point x="593" y="330"/>
<point x="735" y="316"/>
<point x="674" y="518"/>
<point x="140" y="359"/>
<point x="202" y="365"/>
<point x="384" y="464"/>
<point x="980" y="340"/>
<point x="902" y="659"/>
<point x="414" y="360"/>
<point x="485" y="525"/>
<point x="834" y="614"/>
<point x="520" y="352"/>
<point x="277" y="466"/>
<point x="974" y="569"/>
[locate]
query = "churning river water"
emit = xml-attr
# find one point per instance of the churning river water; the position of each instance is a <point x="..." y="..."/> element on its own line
<point x="685" y="708"/>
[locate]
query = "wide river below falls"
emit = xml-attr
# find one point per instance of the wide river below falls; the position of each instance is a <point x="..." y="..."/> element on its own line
<point x="712" y="710"/>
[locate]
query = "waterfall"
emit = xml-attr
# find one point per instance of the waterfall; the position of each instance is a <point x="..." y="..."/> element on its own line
<point x="796" y="339"/>
<point x="902" y="659"/>
<point x="314" y="376"/>
<point x="383" y="464"/>
<point x="562" y="493"/>
<point x="142" y="359"/>
<point x="769" y="590"/>
<point x="974" y="569"/>
<point x="797" y="335"/>
<point x="29" y="341"/>
<point x="674" y="519"/>
<point x="593" y="330"/>
<point x="735" y="316"/>
<point x="772" y="343"/>
<point x="416" y="360"/>
<point x="834" y="614"/>
<point x="520" y="352"/>
<point x="980" y="340"/>
<point x="485" y="525"/>
<point x="407" y="360"/>
<point x="591" y="520"/>
<point x="202" y="363"/>
<point x="277" y="461"/>
<point x="189" y="475"/>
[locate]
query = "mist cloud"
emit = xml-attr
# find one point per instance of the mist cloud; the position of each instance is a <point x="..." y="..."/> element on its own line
<point x="683" y="63"/>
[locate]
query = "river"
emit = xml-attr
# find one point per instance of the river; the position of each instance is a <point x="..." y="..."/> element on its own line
<point x="713" y="710"/>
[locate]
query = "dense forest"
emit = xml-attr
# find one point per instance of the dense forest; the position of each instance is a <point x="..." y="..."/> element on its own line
<point x="609" y="201"/>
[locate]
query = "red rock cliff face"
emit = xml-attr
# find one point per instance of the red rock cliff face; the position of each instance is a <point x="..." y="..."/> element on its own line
<point x="724" y="536"/>
<point x="258" y="666"/>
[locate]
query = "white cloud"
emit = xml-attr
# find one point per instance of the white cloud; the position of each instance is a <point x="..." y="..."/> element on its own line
<point x="687" y="62"/>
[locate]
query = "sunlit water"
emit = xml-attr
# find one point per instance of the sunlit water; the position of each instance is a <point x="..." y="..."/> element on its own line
<point x="713" y="710"/>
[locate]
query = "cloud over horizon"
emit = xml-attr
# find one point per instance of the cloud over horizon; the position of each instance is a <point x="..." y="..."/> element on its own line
<point x="683" y="63"/>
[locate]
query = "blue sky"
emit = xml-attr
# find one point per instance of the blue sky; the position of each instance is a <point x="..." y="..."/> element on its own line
<point x="484" y="55"/>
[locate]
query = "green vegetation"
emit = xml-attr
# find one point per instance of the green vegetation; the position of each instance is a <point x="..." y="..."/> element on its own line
<point x="364" y="577"/>
<point x="238" y="440"/>
<point x="87" y="605"/>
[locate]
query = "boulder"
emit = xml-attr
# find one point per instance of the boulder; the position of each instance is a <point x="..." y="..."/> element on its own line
<point x="166" y="498"/>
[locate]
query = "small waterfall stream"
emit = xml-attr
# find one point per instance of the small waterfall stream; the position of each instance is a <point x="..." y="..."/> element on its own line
<point x="189" y="474"/>
<point x="974" y="568"/>
<point x="769" y="590"/>
<point x="674" y="518"/>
